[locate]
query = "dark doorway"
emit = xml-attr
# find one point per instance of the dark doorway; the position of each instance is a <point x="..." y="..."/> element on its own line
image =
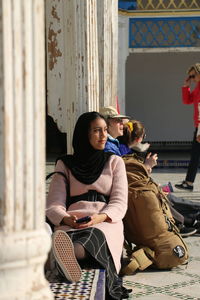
<point x="56" y="141"/>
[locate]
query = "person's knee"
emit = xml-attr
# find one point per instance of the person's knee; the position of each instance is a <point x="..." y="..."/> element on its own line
<point x="79" y="251"/>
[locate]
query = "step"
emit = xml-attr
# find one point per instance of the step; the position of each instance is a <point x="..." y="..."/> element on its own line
<point x="90" y="287"/>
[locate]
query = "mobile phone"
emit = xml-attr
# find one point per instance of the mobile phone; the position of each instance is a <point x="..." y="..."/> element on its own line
<point x="84" y="220"/>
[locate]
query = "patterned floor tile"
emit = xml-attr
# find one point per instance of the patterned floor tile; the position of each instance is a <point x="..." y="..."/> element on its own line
<point x="180" y="283"/>
<point x="155" y="297"/>
<point x="151" y="278"/>
<point x="90" y="287"/>
<point x="193" y="292"/>
<point x="193" y="267"/>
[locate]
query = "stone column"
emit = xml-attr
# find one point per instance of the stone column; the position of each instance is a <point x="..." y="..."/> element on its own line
<point x="24" y="242"/>
<point x="122" y="58"/>
<point x="107" y="16"/>
<point x="72" y="61"/>
<point x="82" y="43"/>
<point x="81" y="60"/>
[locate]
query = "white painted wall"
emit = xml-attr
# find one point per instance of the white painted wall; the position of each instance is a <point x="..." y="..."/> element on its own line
<point x="153" y="94"/>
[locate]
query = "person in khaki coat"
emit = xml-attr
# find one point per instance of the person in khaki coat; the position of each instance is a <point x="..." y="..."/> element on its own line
<point x="148" y="222"/>
<point x="98" y="191"/>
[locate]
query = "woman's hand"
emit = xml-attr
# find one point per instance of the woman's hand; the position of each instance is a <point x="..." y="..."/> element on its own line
<point x="95" y="219"/>
<point x="70" y="221"/>
<point x="151" y="161"/>
<point x="99" y="218"/>
<point x="187" y="81"/>
<point x="198" y="138"/>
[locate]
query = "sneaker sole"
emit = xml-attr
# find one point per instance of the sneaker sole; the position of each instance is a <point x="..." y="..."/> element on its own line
<point x="63" y="251"/>
<point x="189" y="233"/>
<point x="183" y="188"/>
<point x="170" y="187"/>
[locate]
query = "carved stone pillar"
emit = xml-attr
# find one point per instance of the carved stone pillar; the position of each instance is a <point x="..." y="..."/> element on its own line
<point x="82" y="60"/>
<point x="24" y="242"/>
<point x="107" y="15"/>
<point x="82" y="43"/>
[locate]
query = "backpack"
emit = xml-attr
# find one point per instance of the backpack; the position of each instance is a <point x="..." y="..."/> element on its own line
<point x="148" y="222"/>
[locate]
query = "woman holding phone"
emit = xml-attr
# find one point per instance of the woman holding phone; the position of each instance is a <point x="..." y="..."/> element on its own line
<point x="192" y="97"/>
<point x="86" y="222"/>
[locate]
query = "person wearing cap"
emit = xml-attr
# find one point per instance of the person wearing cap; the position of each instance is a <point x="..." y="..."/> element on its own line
<point x="115" y="128"/>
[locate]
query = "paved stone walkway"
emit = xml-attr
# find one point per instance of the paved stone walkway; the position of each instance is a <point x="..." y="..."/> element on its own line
<point x="182" y="282"/>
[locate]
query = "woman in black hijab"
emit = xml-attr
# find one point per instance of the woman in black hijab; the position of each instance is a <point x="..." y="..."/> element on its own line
<point x="88" y="200"/>
<point x="87" y="163"/>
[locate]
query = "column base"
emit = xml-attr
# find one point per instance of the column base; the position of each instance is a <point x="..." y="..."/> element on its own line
<point x="22" y="258"/>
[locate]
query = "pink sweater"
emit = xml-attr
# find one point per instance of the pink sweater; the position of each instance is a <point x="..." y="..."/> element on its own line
<point x="113" y="182"/>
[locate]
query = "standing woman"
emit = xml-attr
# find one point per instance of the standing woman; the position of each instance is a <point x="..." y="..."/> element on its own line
<point x="192" y="97"/>
<point x="98" y="190"/>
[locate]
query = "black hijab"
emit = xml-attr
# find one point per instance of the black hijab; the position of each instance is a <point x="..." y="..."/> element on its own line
<point x="87" y="163"/>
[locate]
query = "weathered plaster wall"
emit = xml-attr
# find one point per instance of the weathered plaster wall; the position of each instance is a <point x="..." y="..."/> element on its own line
<point x="56" y="69"/>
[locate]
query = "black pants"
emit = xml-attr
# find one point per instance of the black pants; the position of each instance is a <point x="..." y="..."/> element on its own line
<point x="183" y="206"/>
<point x="194" y="159"/>
<point x="94" y="241"/>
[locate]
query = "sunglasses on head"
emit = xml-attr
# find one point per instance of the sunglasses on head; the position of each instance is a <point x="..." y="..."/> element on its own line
<point x="192" y="76"/>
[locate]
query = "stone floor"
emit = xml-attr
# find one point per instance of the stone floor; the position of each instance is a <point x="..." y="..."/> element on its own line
<point x="182" y="282"/>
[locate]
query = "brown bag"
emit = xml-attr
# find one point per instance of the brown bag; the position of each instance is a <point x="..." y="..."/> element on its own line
<point x="148" y="221"/>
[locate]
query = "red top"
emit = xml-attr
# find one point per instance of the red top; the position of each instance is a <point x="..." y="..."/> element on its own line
<point x="193" y="97"/>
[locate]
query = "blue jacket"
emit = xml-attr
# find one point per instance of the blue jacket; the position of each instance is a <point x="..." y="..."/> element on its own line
<point x="112" y="145"/>
<point x="125" y="149"/>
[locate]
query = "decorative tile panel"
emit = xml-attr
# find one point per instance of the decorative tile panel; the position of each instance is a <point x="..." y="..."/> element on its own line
<point x="167" y="4"/>
<point x="164" y="32"/>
